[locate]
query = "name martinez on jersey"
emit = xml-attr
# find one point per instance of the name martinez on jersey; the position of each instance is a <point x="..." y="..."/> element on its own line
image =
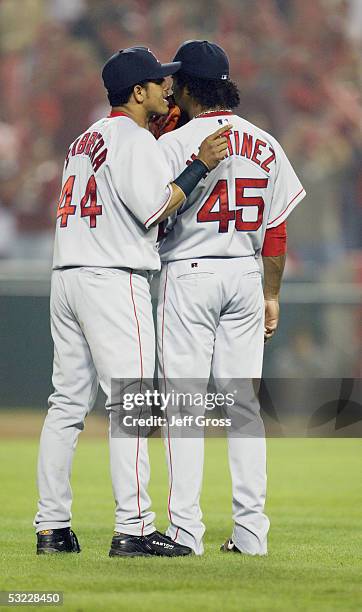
<point x="248" y="149"/>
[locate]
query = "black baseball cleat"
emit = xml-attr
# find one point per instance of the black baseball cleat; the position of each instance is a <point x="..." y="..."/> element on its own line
<point x="51" y="541"/>
<point x="155" y="544"/>
<point x="229" y="546"/>
<point x="164" y="546"/>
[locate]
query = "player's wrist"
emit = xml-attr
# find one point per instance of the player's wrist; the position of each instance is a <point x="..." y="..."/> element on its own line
<point x="191" y="176"/>
<point x="271" y="297"/>
<point x="198" y="158"/>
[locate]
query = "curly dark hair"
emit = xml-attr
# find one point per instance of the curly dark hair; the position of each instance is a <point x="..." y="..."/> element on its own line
<point x="118" y="98"/>
<point x="210" y="93"/>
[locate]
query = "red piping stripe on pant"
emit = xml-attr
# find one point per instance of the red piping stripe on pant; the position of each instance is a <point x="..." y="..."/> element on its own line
<point x="141" y="378"/>
<point x="164" y="380"/>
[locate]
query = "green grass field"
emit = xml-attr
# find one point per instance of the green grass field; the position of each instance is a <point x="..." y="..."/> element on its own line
<point x="315" y="544"/>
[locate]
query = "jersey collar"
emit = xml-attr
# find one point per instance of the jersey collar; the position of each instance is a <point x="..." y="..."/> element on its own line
<point x="215" y="113"/>
<point x="117" y="114"/>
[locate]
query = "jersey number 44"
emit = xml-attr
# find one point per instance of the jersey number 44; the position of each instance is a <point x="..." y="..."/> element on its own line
<point x="66" y="208"/>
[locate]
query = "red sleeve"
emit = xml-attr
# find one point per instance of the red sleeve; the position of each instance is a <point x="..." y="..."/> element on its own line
<point x="275" y="241"/>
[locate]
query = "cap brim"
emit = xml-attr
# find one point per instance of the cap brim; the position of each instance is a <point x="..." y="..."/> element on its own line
<point x="171" y="68"/>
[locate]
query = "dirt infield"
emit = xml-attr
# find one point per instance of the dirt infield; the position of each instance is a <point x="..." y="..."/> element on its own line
<point x="16" y="423"/>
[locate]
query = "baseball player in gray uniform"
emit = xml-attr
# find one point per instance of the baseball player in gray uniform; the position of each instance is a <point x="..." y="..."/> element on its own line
<point x="117" y="186"/>
<point x="213" y="316"/>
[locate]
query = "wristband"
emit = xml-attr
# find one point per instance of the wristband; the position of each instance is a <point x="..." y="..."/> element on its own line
<point x="191" y="176"/>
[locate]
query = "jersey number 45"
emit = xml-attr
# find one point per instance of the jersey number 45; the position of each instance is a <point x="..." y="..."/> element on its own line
<point x="66" y="208"/>
<point x="224" y="215"/>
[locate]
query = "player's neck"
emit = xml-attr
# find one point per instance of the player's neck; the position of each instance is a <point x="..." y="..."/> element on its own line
<point x="136" y="113"/>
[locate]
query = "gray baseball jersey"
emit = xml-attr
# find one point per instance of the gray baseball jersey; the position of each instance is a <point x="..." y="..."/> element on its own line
<point x="115" y="185"/>
<point x="228" y="212"/>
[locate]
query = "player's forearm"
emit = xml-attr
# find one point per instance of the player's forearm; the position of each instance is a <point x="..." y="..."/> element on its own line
<point x="177" y="198"/>
<point x="273" y="273"/>
<point x="183" y="185"/>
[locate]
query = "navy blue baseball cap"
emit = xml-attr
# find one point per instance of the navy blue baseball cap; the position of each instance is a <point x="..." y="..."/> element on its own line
<point x="203" y="59"/>
<point x="130" y="66"/>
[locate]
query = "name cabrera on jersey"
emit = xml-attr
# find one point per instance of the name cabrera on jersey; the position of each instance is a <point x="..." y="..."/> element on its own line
<point x="227" y="214"/>
<point x="115" y="185"/>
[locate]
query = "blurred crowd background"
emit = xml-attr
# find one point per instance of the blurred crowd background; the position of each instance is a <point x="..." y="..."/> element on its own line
<point x="298" y="66"/>
<point x="297" y="63"/>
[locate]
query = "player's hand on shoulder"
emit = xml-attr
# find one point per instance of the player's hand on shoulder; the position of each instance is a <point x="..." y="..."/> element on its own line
<point x="214" y="148"/>
<point x="271" y="318"/>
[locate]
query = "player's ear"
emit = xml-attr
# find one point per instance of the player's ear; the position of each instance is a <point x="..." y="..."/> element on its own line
<point x="139" y="93"/>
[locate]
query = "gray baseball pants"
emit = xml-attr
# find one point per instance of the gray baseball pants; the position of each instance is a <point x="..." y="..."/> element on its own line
<point x="211" y="321"/>
<point x="102" y="328"/>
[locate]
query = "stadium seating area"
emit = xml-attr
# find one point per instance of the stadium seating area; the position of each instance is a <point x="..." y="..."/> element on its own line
<point x="297" y="65"/>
